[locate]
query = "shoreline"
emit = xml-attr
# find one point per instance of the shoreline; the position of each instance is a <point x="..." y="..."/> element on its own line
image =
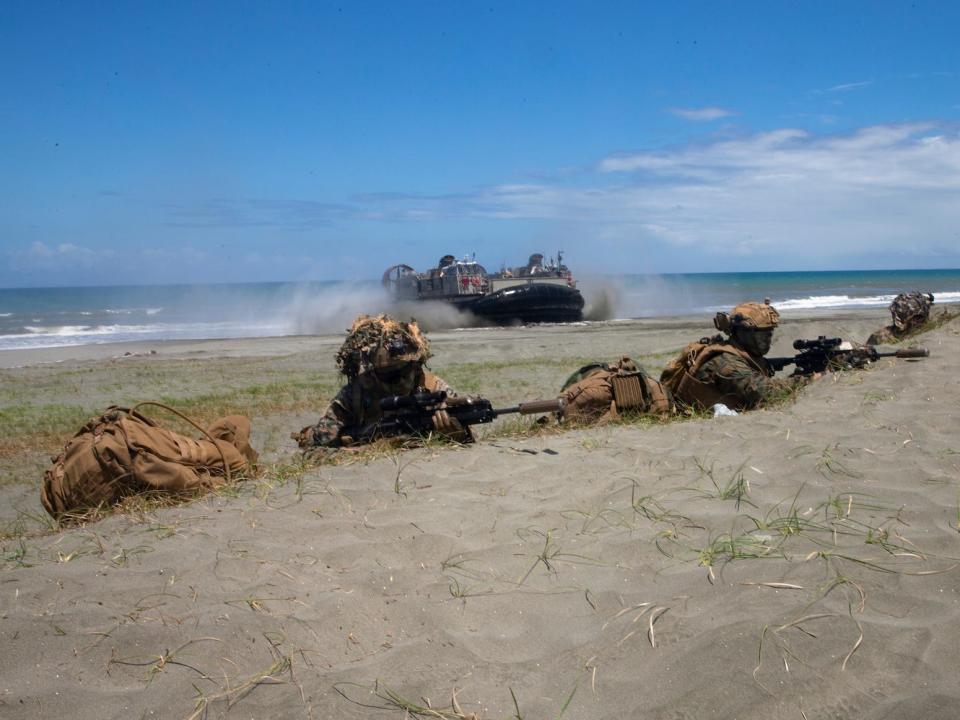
<point x="265" y="345"/>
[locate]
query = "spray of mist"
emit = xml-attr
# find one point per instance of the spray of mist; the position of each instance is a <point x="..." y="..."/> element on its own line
<point x="331" y="310"/>
<point x="643" y="296"/>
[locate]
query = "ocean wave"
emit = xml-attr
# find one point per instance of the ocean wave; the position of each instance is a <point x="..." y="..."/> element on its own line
<point x="59" y="330"/>
<point x="130" y="311"/>
<point x="6" y="314"/>
<point x="833" y="301"/>
<point x="66" y="335"/>
<point x="814" y="302"/>
<point x="946" y="297"/>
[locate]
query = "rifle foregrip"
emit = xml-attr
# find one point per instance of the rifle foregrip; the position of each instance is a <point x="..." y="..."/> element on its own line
<point x="541" y="406"/>
<point x="913" y="352"/>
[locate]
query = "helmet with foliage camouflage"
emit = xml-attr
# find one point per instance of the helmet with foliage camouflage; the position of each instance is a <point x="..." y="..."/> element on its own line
<point x="749" y="315"/>
<point x="381" y="343"/>
<point x="910" y="310"/>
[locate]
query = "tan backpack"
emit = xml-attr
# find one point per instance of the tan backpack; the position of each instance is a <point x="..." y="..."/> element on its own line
<point x="123" y="453"/>
<point x="601" y="392"/>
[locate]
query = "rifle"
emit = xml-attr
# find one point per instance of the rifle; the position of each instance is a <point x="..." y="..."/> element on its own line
<point x="822" y="354"/>
<point x="413" y="414"/>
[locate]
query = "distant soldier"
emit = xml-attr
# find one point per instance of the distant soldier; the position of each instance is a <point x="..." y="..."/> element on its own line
<point x="381" y="357"/>
<point x="730" y="371"/>
<point x="910" y="312"/>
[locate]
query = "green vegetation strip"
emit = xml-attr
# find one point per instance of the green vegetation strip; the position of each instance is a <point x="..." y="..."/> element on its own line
<point x="29" y="427"/>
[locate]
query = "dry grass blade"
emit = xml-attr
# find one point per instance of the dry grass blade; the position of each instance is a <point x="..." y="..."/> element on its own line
<point x="763" y="635"/>
<point x="157" y="664"/>
<point x="856" y="645"/>
<point x="233" y="695"/>
<point x="932" y="572"/>
<point x="655" y="615"/>
<point x="775" y="585"/>
<point x="840" y="580"/>
<point x="624" y="611"/>
<point x="392" y="700"/>
<point x="516" y="705"/>
<point x="805" y="618"/>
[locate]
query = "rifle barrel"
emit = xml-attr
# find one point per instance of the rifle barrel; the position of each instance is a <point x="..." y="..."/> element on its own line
<point x="534" y="407"/>
<point x="912" y="352"/>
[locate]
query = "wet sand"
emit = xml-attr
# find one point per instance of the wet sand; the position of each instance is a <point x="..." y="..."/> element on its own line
<point x="796" y="562"/>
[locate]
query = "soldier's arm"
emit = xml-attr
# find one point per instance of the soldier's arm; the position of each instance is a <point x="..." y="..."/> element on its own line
<point x="882" y="336"/>
<point x="735" y="376"/>
<point x="441" y="385"/>
<point x="443" y="423"/>
<point x="329" y="429"/>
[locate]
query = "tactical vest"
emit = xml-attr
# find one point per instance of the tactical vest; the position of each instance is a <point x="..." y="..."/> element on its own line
<point x="680" y="374"/>
<point x="602" y="392"/>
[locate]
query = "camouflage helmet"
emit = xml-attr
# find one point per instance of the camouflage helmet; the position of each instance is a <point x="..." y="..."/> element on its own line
<point x="750" y="315"/>
<point x="910" y="310"/>
<point x="380" y="343"/>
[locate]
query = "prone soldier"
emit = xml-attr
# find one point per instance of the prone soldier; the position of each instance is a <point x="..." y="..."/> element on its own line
<point x="380" y="358"/>
<point x="910" y="312"/>
<point x="731" y="371"/>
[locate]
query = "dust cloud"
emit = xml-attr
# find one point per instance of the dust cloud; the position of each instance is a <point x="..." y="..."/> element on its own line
<point x="332" y="310"/>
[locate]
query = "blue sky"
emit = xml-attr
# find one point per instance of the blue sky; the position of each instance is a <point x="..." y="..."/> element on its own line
<point x="144" y="143"/>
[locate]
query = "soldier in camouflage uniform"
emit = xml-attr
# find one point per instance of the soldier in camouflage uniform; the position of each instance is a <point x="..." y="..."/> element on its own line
<point x="730" y="371"/>
<point x="380" y="358"/>
<point x="910" y="312"/>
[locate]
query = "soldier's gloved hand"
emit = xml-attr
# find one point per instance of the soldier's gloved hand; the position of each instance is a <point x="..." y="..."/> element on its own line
<point x="304" y="438"/>
<point x="444" y="424"/>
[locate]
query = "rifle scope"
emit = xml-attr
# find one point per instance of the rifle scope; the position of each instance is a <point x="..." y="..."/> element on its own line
<point x="424" y="399"/>
<point x="821" y="343"/>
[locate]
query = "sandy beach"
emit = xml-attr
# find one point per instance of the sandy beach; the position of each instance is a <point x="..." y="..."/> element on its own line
<point x="797" y="562"/>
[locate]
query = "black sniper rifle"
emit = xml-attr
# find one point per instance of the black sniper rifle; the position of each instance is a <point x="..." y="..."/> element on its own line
<point x="822" y="354"/>
<point x="413" y="414"/>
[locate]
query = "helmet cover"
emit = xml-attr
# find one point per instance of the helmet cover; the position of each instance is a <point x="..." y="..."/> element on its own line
<point x="749" y="315"/>
<point x="381" y="343"/>
<point x="910" y="310"/>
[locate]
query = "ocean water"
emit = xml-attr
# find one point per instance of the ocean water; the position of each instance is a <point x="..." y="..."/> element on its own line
<point x="683" y="294"/>
<point x="51" y="317"/>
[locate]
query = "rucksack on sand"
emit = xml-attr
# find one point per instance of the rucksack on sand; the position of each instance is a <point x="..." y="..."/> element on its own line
<point x="123" y="453"/>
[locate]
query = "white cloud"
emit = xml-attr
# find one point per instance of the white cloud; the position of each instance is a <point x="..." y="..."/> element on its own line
<point x="63" y="250"/>
<point x="882" y="196"/>
<point x="846" y="87"/>
<point x="784" y="198"/>
<point x="705" y="114"/>
<point x="38" y="249"/>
